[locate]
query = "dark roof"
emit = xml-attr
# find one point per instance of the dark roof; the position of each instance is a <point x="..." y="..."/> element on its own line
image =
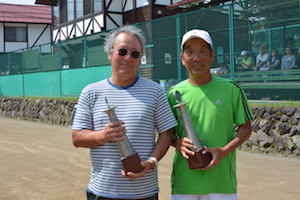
<point x="25" y="13"/>
<point x="183" y="3"/>
<point x="197" y="3"/>
<point x="47" y="2"/>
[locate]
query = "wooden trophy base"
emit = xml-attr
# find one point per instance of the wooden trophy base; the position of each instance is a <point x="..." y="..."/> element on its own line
<point x="199" y="160"/>
<point x="132" y="163"/>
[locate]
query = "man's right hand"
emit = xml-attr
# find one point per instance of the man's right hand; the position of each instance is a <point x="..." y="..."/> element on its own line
<point x="114" y="132"/>
<point x="184" y="146"/>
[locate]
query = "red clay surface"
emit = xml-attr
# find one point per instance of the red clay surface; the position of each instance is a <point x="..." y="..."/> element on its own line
<point x="39" y="162"/>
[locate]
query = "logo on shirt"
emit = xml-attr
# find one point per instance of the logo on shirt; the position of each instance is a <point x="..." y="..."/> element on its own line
<point x="218" y="102"/>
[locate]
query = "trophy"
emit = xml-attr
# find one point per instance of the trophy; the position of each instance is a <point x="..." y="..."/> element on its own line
<point x="129" y="157"/>
<point x="201" y="158"/>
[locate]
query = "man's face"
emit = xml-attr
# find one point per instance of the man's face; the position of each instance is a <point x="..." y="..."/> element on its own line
<point x="125" y="67"/>
<point x="197" y="57"/>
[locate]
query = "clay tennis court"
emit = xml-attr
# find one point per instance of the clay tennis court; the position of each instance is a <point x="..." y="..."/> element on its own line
<point x="39" y="162"/>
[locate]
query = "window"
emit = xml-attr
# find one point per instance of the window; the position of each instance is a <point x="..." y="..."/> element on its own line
<point x="79" y="8"/>
<point x="63" y="11"/>
<point x="87" y="7"/>
<point x="56" y="15"/>
<point x="70" y="8"/>
<point x="15" y="34"/>
<point x="97" y="6"/>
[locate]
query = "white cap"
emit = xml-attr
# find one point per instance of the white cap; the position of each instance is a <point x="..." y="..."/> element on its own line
<point x="196" y="33"/>
<point x="244" y="52"/>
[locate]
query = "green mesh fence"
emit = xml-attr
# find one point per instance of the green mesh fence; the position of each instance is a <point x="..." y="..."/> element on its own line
<point x="246" y="25"/>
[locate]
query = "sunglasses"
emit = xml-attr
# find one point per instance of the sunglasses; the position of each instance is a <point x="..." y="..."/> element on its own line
<point x="134" y="54"/>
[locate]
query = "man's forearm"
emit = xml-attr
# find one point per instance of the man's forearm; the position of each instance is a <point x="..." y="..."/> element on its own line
<point x="85" y="138"/>
<point x="243" y="133"/>
<point x="162" y="144"/>
<point x="174" y="140"/>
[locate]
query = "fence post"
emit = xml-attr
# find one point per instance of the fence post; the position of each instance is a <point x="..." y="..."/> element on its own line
<point x="40" y="58"/>
<point x="178" y="37"/>
<point x="85" y="52"/>
<point x="60" y="55"/>
<point x="9" y="63"/>
<point x="231" y="41"/>
<point x="23" y="62"/>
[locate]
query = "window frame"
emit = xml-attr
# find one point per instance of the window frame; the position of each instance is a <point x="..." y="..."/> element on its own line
<point x="11" y="34"/>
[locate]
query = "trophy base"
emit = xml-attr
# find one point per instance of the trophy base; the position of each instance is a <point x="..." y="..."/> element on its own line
<point x="132" y="163"/>
<point x="199" y="160"/>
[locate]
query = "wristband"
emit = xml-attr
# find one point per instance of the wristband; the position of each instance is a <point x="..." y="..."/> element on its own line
<point x="155" y="161"/>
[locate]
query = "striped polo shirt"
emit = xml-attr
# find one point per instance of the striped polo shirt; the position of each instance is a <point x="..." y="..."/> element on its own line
<point x="144" y="109"/>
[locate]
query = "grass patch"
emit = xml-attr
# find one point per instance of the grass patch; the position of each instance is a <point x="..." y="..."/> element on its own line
<point x="275" y="104"/>
<point x="53" y="98"/>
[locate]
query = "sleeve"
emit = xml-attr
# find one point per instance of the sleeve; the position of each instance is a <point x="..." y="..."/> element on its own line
<point x="83" y="118"/>
<point x="242" y="110"/>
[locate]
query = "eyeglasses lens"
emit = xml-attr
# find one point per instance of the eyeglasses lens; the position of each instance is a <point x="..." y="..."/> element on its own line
<point x="134" y="54"/>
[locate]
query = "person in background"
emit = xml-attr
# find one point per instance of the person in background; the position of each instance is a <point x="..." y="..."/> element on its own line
<point x="227" y="61"/>
<point x="298" y="59"/>
<point x="290" y="44"/>
<point x="222" y="69"/>
<point x="4" y="71"/>
<point x="143" y="111"/>
<point x="262" y="58"/>
<point x="251" y="53"/>
<point x="288" y="60"/>
<point x="215" y="105"/>
<point x="273" y="63"/>
<point x="247" y="62"/>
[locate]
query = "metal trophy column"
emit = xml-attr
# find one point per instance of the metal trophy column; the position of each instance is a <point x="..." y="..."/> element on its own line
<point x="201" y="158"/>
<point x="129" y="157"/>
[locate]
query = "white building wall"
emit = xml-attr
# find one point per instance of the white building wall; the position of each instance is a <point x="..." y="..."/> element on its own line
<point x="34" y="32"/>
<point x="1" y="38"/>
<point x="88" y="26"/>
<point x="13" y="46"/>
<point x="79" y="28"/>
<point x="55" y="32"/>
<point x="117" y="18"/>
<point x="129" y="6"/>
<point x="166" y="2"/>
<point x="141" y="3"/>
<point x="99" y="19"/>
<point x="64" y="30"/>
<point x="115" y="6"/>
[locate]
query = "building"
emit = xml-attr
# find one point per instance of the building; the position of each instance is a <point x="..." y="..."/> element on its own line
<point x="24" y="26"/>
<point x="234" y="26"/>
<point x="74" y="18"/>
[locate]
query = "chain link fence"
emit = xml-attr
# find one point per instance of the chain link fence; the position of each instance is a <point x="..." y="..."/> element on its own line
<point x="234" y="27"/>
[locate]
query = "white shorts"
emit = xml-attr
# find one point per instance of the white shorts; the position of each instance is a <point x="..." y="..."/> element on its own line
<point x="212" y="196"/>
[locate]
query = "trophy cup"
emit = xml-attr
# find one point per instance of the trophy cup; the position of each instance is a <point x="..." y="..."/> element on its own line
<point x="201" y="158"/>
<point x="129" y="157"/>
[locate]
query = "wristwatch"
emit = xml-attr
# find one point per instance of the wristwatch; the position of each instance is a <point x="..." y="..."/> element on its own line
<point x="155" y="161"/>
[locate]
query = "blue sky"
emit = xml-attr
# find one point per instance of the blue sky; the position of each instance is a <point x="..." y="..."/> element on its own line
<point x="21" y="2"/>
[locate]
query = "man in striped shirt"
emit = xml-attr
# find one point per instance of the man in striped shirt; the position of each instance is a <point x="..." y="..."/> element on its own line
<point x="143" y="111"/>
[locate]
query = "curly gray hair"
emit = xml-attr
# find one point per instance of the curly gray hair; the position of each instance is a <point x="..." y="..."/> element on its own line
<point x="130" y="29"/>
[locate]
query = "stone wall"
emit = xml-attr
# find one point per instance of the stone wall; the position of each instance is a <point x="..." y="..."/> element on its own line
<point x="37" y="110"/>
<point x="275" y="130"/>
